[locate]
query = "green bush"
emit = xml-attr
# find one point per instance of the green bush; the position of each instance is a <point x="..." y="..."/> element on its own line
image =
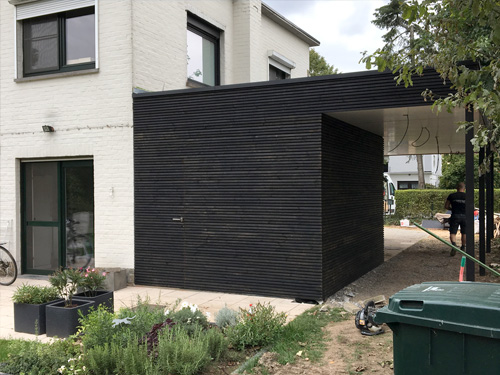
<point x="180" y="353"/>
<point x="96" y="328"/>
<point x="145" y="316"/>
<point x="34" y="294"/>
<point x="115" y="358"/>
<point x="36" y="358"/>
<point x="217" y="343"/>
<point x="424" y="204"/>
<point x="258" y="326"/>
<point x="226" y="317"/>
<point x="190" y="318"/>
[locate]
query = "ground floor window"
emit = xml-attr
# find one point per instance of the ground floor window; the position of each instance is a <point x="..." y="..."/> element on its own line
<point x="57" y="215"/>
<point x="404" y="185"/>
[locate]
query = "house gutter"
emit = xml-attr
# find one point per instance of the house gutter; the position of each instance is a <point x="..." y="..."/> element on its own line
<point x="294" y="29"/>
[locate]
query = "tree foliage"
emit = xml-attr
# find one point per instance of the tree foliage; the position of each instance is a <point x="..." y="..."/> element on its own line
<point x="318" y="65"/>
<point x="460" y="39"/>
<point x="453" y="171"/>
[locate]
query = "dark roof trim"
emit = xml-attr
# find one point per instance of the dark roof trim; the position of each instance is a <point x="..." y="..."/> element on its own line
<point x="265" y="83"/>
<point x="283" y="22"/>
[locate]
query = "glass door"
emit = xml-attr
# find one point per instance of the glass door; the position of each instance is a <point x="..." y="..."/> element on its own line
<point x="78" y="201"/>
<point x="58" y="215"/>
<point x="42" y="224"/>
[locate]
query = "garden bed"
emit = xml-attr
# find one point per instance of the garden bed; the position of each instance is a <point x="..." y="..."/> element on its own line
<point x="149" y="339"/>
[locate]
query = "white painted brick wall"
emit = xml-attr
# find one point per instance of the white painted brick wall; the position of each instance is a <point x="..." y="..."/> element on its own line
<point x="92" y="114"/>
<point x="285" y="43"/>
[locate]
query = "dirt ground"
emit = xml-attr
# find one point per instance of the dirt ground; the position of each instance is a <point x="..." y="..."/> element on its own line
<point x="348" y="351"/>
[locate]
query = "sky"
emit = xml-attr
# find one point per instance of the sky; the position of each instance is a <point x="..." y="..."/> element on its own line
<point x="343" y="27"/>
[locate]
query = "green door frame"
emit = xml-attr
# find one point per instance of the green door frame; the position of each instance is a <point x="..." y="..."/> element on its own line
<point x="60" y="223"/>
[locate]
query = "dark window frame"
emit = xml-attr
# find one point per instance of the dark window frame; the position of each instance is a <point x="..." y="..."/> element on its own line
<point x="276" y="74"/>
<point x="204" y="29"/>
<point x="411" y="184"/>
<point x="61" y="43"/>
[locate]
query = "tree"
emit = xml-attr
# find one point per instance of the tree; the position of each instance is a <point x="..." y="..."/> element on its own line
<point x="318" y="65"/>
<point x="453" y="171"/>
<point x="390" y="17"/>
<point x="460" y="39"/>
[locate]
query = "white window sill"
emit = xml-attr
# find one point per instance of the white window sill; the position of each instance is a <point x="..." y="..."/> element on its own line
<point x="57" y="75"/>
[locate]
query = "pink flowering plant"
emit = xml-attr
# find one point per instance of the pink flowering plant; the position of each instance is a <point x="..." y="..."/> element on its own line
<point x="92" y="280"/>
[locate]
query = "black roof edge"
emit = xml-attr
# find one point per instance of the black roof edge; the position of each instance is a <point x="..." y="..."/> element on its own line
<point x="264" y="83"/>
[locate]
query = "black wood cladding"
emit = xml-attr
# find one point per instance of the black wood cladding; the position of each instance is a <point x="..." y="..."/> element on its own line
<point x="276" y="198"/>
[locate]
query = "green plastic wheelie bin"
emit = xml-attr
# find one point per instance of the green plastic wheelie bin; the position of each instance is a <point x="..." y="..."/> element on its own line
<point x="442" y="328"/>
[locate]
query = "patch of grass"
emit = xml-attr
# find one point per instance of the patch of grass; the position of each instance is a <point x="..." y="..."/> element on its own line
<point x="305" y="334"/>
<point x="4" y="349"/>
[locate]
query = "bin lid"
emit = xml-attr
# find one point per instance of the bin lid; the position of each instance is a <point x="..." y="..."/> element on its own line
<point x="465" y="307"/>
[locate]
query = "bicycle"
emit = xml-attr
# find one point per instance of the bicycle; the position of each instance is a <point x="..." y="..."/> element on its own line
<point x="8" y="266"/>
<point x="78" y="246"/>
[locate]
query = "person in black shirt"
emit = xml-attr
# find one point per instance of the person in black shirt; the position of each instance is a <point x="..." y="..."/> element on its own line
<point x="456" y="203"/>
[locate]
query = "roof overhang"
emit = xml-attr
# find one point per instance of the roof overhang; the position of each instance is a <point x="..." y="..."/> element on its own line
<point x="286" y="24"/>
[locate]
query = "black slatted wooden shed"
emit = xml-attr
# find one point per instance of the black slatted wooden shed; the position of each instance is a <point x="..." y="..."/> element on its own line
<point x="258" y="188"/>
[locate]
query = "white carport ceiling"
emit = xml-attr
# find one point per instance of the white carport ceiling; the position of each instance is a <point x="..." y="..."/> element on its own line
<point x="411" y="130"/>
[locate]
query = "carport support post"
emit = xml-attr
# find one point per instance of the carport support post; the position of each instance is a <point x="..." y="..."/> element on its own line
<point x="469" y="199"/>
<point x="482" y="254"/>
<point x="489" y="201"/>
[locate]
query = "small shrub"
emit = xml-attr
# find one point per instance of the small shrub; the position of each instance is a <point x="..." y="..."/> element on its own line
<point x="182" y="353"/>
<point x="217" y="343"/>
<point x="34" y="294"/>
<point x="151" y="337"/>
<point x="226" y="317"/>
<point x="99" y="360"/>
<point x="190" y="318"/>
<point x="96" y="328"/>
<point x="115" y="358"/>
<point x="92" y="280"/>
<point x="258" y="326"/>
<point x="36" y="358"/>
<point x="145" y="316"/>
<point x="66" y="281"/>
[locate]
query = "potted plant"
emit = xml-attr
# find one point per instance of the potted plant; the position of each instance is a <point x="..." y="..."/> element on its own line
<point x="30" y="302"/>
<point x="92" y="284"/>
<point x="62" y="317"/>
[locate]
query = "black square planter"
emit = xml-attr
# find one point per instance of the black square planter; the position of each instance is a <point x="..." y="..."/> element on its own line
<point x="100" y="297"/>
<point x="63" y="321"/>
<point x="30" y="318"/>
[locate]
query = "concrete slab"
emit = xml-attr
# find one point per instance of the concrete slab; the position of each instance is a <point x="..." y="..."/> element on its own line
<point x="397" y="239"/>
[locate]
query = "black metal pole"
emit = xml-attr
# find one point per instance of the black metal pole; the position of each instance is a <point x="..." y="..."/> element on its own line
<point x="469" y="199"/>
<point x="489" y="204"/>
<point x="482" y="254"/>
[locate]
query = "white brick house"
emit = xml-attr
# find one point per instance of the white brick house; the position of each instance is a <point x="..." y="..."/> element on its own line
<point x="404" y="172"/>
<point x="71" y="66"/>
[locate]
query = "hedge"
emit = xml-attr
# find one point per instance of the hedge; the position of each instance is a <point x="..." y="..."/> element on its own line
<point x="414" y="203"/>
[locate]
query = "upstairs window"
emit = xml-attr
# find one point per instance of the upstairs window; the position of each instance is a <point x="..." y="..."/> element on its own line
<point x="276" y="74"/>
<point x="203" y="56"/>
<point x="59" y="42"/>
<point x="280" y="67"/>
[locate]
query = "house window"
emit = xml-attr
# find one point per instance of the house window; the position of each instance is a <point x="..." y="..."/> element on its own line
<point x="59" y="42"/>
<point x="404" y="185"/>
<point x="203" y="56"/>
<point x="280" y="67"/>
<point x="276" y="74"/>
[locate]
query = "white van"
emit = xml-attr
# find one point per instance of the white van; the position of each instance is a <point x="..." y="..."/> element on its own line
<point x="389" y="196"/>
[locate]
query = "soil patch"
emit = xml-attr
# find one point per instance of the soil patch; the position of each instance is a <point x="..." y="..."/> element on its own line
<point x="348" y="351"/>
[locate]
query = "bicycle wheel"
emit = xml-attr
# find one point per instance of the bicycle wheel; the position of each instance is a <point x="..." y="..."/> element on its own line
<point x="8" y="267"/>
